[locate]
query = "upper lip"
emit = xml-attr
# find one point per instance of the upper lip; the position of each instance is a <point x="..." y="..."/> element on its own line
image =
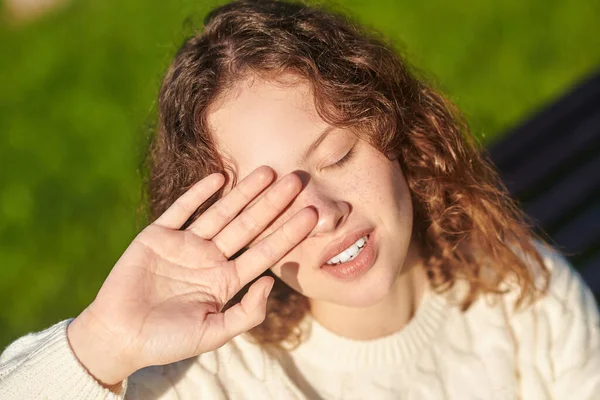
<point x="339" y="245"/>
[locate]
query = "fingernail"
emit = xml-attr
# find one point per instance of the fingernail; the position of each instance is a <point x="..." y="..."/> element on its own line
<point x="268" y="290"/>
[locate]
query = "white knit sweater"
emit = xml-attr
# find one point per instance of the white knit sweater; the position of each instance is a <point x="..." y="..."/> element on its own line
<point x="549" y="351"/>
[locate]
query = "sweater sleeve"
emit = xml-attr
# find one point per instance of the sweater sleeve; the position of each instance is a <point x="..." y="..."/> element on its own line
<point x="42" y="365"/>
<point x="575" y="322"/>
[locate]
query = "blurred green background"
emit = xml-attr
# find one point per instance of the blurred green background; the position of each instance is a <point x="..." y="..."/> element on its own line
<point x="77" y="94"/>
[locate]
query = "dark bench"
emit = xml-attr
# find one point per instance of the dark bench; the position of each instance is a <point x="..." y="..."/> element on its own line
<point x="551" y="165"/>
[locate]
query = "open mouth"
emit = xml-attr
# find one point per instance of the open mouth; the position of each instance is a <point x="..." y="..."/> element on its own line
<point x="356" y="266"/>
<point x="350" y="253"/>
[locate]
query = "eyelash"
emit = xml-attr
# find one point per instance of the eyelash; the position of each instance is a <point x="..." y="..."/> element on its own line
<point x="344" y="159"/>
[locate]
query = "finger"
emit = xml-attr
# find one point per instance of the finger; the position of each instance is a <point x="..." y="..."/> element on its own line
<point x="271" y="249"/>
<point x="245" y="315"/>
<point x="251" y="222"/>
<point x="225" y="209"/>
<point x="185" y="205"/>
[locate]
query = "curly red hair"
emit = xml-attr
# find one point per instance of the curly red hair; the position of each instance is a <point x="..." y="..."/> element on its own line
<point x="467" y="226"/>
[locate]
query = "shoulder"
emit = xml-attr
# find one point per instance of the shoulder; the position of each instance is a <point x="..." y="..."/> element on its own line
<point x="566" y="313"/>
<point x="567" y="294"/>
<point x="563" y="324"/>
<point x="216" y="374"/>
<point x="553" y="342"/>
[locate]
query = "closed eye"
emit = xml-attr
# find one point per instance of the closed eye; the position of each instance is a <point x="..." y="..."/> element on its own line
<point x="344" y="159"/>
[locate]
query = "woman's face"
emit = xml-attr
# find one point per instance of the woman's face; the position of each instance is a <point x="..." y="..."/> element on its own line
<point x="262" y="123"/>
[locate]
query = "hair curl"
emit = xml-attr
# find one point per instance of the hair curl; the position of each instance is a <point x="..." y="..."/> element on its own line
<point x="465" y="222"/>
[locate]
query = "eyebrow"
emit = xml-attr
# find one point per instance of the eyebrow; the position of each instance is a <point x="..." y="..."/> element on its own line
<point x="307" y="152"/>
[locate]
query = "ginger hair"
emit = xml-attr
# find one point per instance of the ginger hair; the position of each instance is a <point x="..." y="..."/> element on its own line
<point x="467" y="226"/>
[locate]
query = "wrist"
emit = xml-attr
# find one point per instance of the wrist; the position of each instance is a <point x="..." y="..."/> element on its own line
<point x="97" y="352"/>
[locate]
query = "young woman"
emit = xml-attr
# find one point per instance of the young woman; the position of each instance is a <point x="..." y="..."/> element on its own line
<point x="323" y="228"/>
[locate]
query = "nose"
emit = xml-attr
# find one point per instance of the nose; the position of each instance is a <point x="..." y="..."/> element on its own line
<point x="333" y="211"/>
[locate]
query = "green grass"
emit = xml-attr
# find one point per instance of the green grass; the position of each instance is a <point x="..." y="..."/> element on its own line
<point x="78" y="89"/>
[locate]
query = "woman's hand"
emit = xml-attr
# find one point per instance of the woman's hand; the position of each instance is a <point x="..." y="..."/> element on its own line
<point x="162" y="301"/>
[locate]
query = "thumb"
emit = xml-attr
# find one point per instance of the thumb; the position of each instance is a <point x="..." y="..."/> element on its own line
<point x="248" y="313"/>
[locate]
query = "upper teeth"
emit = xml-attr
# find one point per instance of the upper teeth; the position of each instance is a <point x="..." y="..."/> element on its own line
<point x="350" y="253"/>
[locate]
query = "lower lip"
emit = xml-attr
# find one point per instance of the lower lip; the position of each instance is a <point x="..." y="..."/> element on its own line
<point x="355" y="268"/>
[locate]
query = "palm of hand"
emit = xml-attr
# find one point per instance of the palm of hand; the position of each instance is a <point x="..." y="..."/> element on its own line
<point x="167" y="282"/>
<point x="163" y="300"/>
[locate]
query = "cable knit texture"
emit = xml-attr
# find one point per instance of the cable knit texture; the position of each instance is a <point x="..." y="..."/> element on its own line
<point x="549" y="351"/>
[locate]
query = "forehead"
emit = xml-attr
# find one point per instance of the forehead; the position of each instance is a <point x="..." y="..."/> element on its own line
<point x="265" y="122"/>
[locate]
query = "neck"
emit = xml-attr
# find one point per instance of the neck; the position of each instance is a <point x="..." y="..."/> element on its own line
<point x="387" y="316"/>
